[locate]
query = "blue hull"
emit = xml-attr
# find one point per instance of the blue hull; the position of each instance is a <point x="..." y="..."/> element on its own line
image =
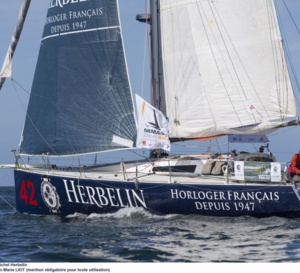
<point x="38" y="194"/>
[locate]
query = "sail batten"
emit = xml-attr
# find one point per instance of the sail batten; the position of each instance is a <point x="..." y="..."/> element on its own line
<point x="81" y="99"/>
<point x="224" y="68"/>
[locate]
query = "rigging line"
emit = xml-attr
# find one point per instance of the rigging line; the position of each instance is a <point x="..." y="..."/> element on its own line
<point x="204" y="89"/>
<point x="113" y="101"/>
<point x="286" y="77"/>
<point x="15" y="89"/>
<point x="246" y="73"/>
<point x="118" y="105"/>
<point x="233" y="81"/>
<point x="23" y="88"/>
<point x="295" y="78"/>
<point x="199" y="146"/>
<point x="227" y="50"/>
<point x="286" y="58"/>
<point x="129" y="99"/>
<point x="115" y="106"/>
<point x="214" y="57"/>
<point x="291" y="17"/>
<point x="183" y="45"/>
<point x="152" y="99"/>
<point x="277" y="56"/>
<point x="218" y="146"/>
<point x="290" y="61"/>
<point x="138" y="154"/>
<point x="283" y="84"/>
<point x="8" y="203"/>
<point x="147" y="158"/>
<point x="176" y="102"/>
<point x="27" y="115"/>
<point x="146" y="49"/>
<point x="238" y="190"/>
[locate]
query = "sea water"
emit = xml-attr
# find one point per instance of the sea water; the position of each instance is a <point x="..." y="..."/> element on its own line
<point x="134" y="235"/>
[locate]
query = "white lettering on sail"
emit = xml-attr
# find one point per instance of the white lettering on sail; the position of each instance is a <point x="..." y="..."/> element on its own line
<point x="71" y="21"/>
<point x="73" y="15"/>
<point x="85" y="13"/>
<point x="61" y="3"/>
<point x="102" y="197"/>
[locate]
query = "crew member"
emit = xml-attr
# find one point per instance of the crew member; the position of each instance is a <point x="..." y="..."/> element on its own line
<point x="294" y="168"/>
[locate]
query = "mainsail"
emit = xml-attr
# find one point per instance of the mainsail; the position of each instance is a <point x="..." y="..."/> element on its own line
<point x="224" y="68"/>
<point x="81" y="99"/>
<point x="7" y="66"/>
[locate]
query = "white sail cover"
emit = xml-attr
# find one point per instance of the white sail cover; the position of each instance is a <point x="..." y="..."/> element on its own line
<point x="224" y="68"/>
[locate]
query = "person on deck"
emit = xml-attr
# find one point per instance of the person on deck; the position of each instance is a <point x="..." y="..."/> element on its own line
<point x="294" y="168"/>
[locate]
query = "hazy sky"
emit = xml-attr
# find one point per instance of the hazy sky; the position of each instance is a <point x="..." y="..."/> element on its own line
<point x="13" y="101"/>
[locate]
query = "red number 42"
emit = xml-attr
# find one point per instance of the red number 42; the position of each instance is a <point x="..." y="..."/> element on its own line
<point x="28" y="199"/>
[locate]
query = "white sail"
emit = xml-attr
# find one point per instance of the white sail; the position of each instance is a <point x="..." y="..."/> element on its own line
<point x="224" y="68"/>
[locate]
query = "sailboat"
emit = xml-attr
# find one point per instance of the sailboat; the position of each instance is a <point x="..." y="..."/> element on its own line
<point x="218" y="69"/>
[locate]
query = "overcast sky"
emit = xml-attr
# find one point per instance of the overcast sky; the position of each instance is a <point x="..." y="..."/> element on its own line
<point x="13" y="101"/>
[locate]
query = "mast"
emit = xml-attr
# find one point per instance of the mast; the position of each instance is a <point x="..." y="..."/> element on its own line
<point x="155" y="53"/>
<point x="6" y="68"/>
<point x="157" y="94"/>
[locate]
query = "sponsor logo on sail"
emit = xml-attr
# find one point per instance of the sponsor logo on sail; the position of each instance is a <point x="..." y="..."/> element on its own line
<point x="154" y="128"/>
